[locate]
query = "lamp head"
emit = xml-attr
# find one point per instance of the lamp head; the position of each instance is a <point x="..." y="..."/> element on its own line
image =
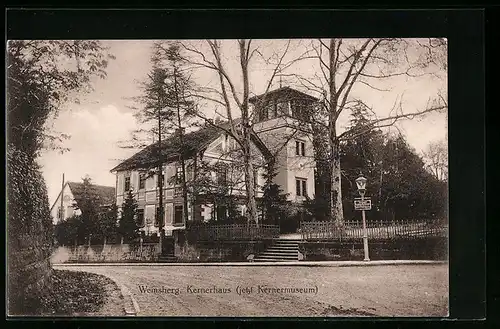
<point x="361" y="183"/>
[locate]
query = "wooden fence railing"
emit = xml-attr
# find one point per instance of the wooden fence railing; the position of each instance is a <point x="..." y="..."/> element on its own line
<point x="353" y="230"/>
<point x="226" y="232"/>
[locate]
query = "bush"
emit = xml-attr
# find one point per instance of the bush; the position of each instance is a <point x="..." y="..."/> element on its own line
<point x="29" y="233"/>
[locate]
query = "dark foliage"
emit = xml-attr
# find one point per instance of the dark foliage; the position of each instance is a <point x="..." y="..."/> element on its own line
<point x="89" y="219"/>
<point x="398" y="184"/>
<point x="128" y="226"/>
<point x="66" y="232"/>
<point x="29" y="232"/>
<point x="274" y="205"/>
<point x="41" y="75"/>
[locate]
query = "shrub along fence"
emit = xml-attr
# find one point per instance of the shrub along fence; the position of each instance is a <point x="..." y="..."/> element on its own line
<point x="109" y="253"/>
<point x="380" y="230"/>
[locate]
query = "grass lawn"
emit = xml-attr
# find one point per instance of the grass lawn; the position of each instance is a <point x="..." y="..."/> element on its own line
<point x="81" y="294"/>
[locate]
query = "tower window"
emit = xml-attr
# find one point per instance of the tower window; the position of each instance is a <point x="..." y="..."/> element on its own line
<point x="300" y="148"/>
<point x="301" y="187"/>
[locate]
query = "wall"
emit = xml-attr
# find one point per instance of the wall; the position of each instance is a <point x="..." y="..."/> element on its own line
<point x="218" y="251"/>
<point x="209" y="251"/>
<point x="434" y="248"/>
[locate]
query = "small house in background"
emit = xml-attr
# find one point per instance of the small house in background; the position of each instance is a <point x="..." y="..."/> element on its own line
<point x="72" y="193"/>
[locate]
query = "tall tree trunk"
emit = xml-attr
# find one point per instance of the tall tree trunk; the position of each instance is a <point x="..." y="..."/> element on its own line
<point x="249" y="183"/>
<point x="194" y="192"/>
<point x="245" y="120"/>
<point x="160" y="213"/>
<point x="337" y="211"/>
<point x="182" y="160"/>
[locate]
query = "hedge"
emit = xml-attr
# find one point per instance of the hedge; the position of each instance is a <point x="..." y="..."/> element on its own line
<point x="29" y="234"/>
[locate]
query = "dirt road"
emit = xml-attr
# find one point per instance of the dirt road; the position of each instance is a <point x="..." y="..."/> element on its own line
<point x="403" y="290"/>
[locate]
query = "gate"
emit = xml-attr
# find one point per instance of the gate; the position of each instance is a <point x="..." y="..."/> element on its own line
<point x="168" y="244"/>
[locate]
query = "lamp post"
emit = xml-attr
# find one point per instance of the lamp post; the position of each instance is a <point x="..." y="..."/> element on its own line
<point x="361" y="184"/>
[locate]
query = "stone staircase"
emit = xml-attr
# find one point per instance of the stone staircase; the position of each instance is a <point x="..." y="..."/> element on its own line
<point x="281" y="250"/>
<point x="167" y="258"/>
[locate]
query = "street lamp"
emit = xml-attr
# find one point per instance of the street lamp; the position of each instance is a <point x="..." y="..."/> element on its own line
<point x="361" y="184"/>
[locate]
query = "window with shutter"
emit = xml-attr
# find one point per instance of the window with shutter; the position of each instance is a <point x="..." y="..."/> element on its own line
<point x="140" y="218"/>
<point x="178" y="175"/>
<point x="162" y="183"/>
<point x="142" y="181"/>
<point x="178" y="214"/>
<point x="127" y="184"/>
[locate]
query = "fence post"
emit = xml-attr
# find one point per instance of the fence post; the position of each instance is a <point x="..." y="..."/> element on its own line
<point x="140" y="245"/>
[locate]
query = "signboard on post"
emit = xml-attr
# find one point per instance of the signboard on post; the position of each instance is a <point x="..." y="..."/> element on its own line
<point x="365" y="204"/>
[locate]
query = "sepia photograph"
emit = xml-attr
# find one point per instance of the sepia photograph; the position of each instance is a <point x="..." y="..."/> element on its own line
<point x="227" y="178"/>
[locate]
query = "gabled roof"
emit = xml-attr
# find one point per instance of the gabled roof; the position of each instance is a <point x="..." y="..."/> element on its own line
<point x="171" y="149"/>
<point x="283" y="93"/>
<point x="105" y="195"/>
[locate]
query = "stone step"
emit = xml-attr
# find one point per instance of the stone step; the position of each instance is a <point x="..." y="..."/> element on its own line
<point x="271" y="253"/>
<point x="286" y="244"/>
<point x="284" y="247"/>
<point x="275" y="260"/>
<point x="269" y="257"/>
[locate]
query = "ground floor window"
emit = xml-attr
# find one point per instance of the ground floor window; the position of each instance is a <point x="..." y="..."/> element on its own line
<point x="178" y="211"/>
<point x="140" y="217"/>
<point x="221" y="212"/>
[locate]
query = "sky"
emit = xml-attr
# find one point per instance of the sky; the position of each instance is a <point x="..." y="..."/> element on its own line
<point x="103" y="118"/>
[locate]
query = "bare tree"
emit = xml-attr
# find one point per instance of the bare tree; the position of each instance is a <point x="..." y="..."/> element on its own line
<point x="232" y="100"/>
<point x="345" y="64"/>
<point x="436" y="157"/>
